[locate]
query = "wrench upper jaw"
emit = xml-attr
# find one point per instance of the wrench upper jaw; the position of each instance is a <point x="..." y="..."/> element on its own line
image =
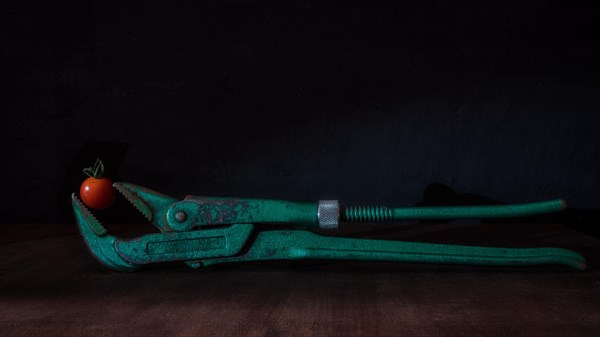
<point x="100" y="244"/>
<point x="153" y="205"/>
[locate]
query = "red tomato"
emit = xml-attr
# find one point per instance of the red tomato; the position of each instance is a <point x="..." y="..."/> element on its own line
<point x="97" y="193"/>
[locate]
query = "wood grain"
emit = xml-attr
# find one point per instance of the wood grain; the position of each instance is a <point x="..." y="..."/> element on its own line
<point x="51" y="286"/>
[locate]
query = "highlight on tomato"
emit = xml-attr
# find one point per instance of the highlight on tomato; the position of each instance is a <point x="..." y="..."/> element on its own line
<point x="97" y="192"/>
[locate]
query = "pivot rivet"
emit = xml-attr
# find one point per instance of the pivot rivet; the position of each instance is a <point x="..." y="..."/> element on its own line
<point x="180" y="216"/>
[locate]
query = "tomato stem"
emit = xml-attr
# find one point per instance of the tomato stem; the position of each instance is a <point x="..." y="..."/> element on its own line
<point x="96" y="171"/>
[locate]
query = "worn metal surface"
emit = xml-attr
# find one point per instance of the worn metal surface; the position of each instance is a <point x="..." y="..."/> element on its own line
<point x="189" y="234"/>
<point x="202" y="211"/>
<point x="180" y="246"/>
<point x="100" y="244"/>
<point x="281" y="245"/>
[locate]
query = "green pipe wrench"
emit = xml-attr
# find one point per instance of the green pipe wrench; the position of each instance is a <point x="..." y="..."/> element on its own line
<point x="203" y="231"/>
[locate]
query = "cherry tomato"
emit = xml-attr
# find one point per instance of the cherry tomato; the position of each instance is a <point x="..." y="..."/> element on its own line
<point x="97" y="193"/>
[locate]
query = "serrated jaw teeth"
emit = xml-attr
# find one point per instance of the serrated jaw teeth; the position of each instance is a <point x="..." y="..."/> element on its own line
<point x="134" y="199"/>
<point x="85" y="216"/>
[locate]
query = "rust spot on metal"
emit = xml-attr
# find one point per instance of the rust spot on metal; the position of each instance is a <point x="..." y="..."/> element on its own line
<point x="270" y="252"/>
<point x="220" y="211"/>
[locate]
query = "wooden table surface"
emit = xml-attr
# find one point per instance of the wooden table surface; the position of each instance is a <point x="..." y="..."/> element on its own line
<point x="51" y="286"/>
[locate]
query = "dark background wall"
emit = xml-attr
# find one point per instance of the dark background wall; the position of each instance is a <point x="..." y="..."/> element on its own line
<point x="359" y="101"/>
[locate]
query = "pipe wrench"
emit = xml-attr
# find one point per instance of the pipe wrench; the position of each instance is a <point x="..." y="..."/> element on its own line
<point x="203" y="231"/>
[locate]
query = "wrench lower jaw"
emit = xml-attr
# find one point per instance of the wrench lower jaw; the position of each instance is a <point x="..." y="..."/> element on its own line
<point x="98" y="242"/>
<point x="184" y="246"/>
<point x="295" y="245"/>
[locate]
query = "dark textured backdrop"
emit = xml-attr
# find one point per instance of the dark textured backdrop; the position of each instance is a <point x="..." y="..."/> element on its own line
<point x="302" y="100"/>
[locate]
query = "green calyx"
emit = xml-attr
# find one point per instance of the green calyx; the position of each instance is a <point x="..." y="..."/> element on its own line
<point x="95" y="171"/>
